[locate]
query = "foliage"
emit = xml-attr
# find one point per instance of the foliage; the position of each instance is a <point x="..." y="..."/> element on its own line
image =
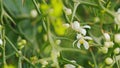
<point x="59" y="33"/>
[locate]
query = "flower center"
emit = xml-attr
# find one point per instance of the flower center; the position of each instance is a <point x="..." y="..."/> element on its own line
<point x="81" y="41"/>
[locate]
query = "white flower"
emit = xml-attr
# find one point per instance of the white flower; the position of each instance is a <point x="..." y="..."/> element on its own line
<point x="69" y="66"/>
<point x="117" y="38"/>
<point x="118" y="11"/>
<point x="108" y="44"/>
<point x="117" y="17"/>
<point x="81" y="40"/>
<point x="107" y="36"/>
<point x="104" y="50"/>
<point x="34" y="13"/>
<point x="66" y="25"/>
<point x="68" y="11"/>
<point x="76" y="26"/>
<point x="1" y="42"/>
<point x="108" y="60"/>
<point x="116" y="50"/>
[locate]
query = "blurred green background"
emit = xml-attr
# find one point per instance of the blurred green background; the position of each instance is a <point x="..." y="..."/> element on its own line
<point x="42" y="30"/>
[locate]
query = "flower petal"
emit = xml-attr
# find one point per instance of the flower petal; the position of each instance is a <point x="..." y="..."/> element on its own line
<point x="79" y="36"/>
<point x="83" y="31"/>
<point x="87" y="37"/>
<point x="75" y="25"/>
<point x="87" y="26"/>
<point x="107" y="36"/>
<point x="118" y="11"/>
<point x="78" y="44"/>
<point x="86" y="45"/>
<point x="1" y="42"/>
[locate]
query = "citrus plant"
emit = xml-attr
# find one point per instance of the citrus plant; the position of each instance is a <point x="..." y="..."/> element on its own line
<point x="59" y="33"/>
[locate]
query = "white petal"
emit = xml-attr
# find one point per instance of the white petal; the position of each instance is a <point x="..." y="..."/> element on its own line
<point x="34" y="13"/>
<point x="87" y="37"/>
<point x="66" y="25"/>
<point x="68" y="11"/>
<point x="78" y="44"/>
<point x="75" y="25"/>
<point x="83" y="31"/>
<point x="107" y="36"/>
<point x="1" y="42"/>
<point x="79" y="36"/>
<point x="87" y="26"/>
<point x="69" y="66"/>
<point x="86" y="45"/>
<point x="118" y="11"/>
<point x="117" y="18"/>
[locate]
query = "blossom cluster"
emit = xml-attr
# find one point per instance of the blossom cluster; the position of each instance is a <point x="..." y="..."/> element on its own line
<point x="81" y="37"/>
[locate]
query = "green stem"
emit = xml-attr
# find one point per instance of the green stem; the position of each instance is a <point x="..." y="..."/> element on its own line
<point x="36" y="6"/>
<point x="74" y="10"/>
<point x="54" y="47"/>
<point x="13" y="46"/>
<point x="105" y="9"/>
<point x="94" y="60"/>
<point x="10" y="55"/>
<point x="87" y="3"/>
<point x="19" y="62"/>
<point x="4" y="57"/>
<point x="3" y="33"/>
<point x="72" y="49"/>
<point x="68" y="61"/>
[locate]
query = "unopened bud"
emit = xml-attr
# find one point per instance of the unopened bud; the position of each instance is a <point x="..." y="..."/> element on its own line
<point x="68" y="11"/>
<point x="108" y="60"/>
<point x="116" y="50"/>
<point x="109" y="44"/>
<point x="1" y="42"/>
<point x="104" y="50"/>
<point x="117" y="38"/>
<point x="66" y="25"/>
<point x="107" y="36"/>
<point x="34" y="13"/>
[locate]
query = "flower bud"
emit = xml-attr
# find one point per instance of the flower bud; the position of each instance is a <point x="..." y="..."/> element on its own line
<point x="66" y="25"/>
<point x="58" y="42"/>
<point x="68" y="11"/>
<point x="118" y="11"/>
<point x="108" y="60"/>
<point x="104" y="50"/>
<point x="117" y="38"/>
<point x="22" y="43"/>
<point x="107" y="36"/>
<point x="1" y="42"/>
<point x="33" y="13"/>
<point x="44" y="63"/>
<point x="96" y="19"/>
<point x="117" y="17"/>
<point x="69" y="66"/>
<point x="75" y="25"/>
<point x="34" y="59"/>
<point x="116" y="50"/>
<point x="109" y="44"/>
